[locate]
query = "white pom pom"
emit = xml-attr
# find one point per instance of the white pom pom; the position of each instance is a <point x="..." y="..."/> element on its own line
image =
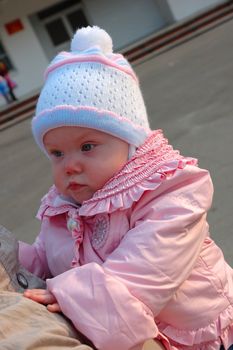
<point x="87" y="37"/>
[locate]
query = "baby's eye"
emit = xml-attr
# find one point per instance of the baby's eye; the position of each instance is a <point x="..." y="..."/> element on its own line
<point x="57" y="153"/>
<point x="86" y="147"/>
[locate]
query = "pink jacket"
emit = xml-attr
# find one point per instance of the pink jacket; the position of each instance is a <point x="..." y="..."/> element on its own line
<point x="136" y="260"/>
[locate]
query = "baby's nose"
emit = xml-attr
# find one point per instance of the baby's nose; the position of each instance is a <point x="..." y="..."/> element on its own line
<point x="73" y="165"/>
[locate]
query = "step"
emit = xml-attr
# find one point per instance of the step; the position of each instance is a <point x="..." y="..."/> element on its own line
<point x="17" y="112"/>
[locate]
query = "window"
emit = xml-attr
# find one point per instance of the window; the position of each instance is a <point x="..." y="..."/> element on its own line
<point x="57" y="31"/>
<point x="62" y="20"/>
<point x="58" y="8"/>
<point x="77" y="19"/>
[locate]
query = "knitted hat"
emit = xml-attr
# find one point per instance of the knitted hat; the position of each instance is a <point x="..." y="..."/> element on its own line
<point x="94" y="88"/>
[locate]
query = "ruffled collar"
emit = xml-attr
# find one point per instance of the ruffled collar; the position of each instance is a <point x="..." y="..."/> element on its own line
<point x="150" y="165"/>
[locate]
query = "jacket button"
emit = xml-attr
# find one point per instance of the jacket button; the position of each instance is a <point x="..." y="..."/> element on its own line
<point x="22" y="280"/>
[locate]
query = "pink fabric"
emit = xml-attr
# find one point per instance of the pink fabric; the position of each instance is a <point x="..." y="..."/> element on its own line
<point x="12" y="84"/>
<point x="138" y="262"/>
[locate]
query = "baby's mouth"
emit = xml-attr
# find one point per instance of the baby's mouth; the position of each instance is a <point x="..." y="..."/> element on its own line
<point x="74" y="186"/>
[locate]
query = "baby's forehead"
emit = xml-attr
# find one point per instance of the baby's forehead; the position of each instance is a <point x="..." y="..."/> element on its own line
<point x="74" y="133"/>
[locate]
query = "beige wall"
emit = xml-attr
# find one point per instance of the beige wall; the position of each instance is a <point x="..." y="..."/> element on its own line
<point x="10" y="9"/>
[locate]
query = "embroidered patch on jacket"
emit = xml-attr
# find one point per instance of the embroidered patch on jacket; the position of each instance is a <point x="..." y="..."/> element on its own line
<point x="100" y="231"/>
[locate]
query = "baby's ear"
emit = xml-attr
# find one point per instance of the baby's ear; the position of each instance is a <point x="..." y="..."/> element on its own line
<point x="13" y="276"/>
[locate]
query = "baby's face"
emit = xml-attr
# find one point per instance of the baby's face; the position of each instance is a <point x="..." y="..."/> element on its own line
<point x="83" y="159"/>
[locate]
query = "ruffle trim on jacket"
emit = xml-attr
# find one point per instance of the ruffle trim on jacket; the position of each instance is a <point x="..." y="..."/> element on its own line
<point x="52" y="204"/>
<point x="152" y="163"/>
<point x="210" y="337"/>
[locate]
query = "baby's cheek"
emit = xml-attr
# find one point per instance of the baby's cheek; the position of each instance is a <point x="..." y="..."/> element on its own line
<point x="60" y="182"/>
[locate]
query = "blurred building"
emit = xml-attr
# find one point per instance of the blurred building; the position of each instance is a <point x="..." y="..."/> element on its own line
<point x="33" y="31"/>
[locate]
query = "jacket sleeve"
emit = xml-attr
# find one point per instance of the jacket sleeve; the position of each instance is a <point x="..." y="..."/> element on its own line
<point x="33" y="257"/>
<point x="115" y="304"/>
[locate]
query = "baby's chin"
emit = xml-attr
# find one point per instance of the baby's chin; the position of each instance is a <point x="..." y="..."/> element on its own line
<point x="77" y="194"/>
<point x="81" y="197"/>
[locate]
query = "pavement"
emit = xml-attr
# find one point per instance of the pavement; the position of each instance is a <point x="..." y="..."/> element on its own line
<point x="188" y="92"/>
